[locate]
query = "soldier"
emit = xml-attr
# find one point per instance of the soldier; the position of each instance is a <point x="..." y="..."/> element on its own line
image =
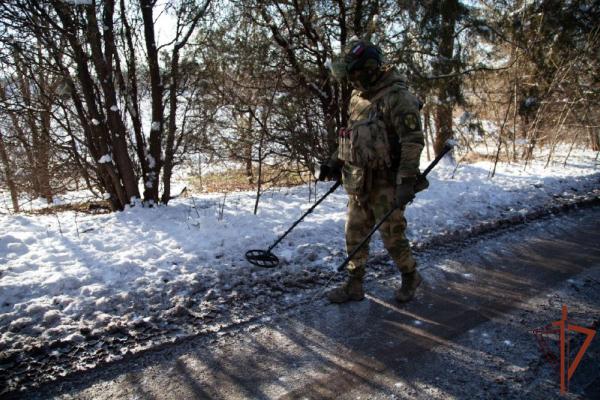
<point x="378" y="161"/>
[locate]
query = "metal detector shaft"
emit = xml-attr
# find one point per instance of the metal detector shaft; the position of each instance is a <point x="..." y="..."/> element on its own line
<point x="446" y="149"/>
<point x="331" y="190"/>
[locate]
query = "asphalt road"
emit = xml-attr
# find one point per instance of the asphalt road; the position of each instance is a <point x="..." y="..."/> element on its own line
<point x="466" y="334"/>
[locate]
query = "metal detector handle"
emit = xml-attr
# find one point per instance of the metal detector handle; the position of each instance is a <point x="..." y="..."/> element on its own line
<point x="445" y="150"/>
<point x="331" y="190"/>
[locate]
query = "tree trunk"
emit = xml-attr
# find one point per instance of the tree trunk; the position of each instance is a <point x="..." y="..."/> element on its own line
<point x="443" y="123"/>
<point x="427" y="131"/>
<point x="247" y="140"/>
<point x="42" y="150"/>
<point x="103" y="64"/>
<point x="171" y="128"/>
<point x="594" y="138"/>
<point x="259" y="175"/>
<point x="156" y="88"/>
<point x="130" y="87"/>
<point x="8" y="176"/>
<point x="181" y="39"/>
<point x="447" y="89"/>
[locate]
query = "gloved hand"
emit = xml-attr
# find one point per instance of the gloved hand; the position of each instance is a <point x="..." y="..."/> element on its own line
<point x="329" y="170"/>
<point x="405" y="191"/>
<point x="322" y="172"/>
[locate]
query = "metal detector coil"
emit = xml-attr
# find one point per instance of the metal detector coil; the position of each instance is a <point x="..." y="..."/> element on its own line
<point x="266" y="259"/>
<point x="262" y="258"/>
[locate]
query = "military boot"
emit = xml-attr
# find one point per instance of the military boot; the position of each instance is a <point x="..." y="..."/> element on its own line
<point x="410" y="283"/>
<point x="351" y="290"/>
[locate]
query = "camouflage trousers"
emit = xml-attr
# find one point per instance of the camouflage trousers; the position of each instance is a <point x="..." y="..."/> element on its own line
<point x="362" y="216"/>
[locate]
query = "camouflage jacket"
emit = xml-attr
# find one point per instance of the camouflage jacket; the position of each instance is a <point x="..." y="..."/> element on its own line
<point x="400" y="111"/>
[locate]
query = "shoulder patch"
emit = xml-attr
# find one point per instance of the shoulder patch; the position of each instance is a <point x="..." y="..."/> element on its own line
<point x="411" y="122"/>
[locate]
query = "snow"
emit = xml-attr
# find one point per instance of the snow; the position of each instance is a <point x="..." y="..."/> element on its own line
<point x="151" y="161"/>
<point x="155" y="126"/>
<point x="95" y="122"/>
<point x="62" y="271"/>
<point x="105" y="159"/>
<point x="526" y="4"/>
<point x="114" y="108"/>
<point x="465" y="118"/>
<point x="79" y="2"/>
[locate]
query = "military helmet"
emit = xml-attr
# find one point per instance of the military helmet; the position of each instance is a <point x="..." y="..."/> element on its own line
<point x="362" y="55"/>
<point x="359" y="58"/>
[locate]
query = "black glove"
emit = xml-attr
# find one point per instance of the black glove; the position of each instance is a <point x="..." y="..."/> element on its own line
<point x="329" y="170"/>
<point x="322" y="172"/>
<point x="405" y="191"/>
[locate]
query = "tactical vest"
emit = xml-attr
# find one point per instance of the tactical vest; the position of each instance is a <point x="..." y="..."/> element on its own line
<point x="365" y="145"/>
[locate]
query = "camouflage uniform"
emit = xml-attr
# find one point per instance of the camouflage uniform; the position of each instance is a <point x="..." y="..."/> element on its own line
<point x="372" y="189"/>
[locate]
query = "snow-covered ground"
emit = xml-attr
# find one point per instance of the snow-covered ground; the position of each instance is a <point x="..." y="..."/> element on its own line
<point x="67" y="273"/>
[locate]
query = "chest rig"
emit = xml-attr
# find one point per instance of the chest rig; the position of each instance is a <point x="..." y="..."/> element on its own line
<point x="365" y="143"/>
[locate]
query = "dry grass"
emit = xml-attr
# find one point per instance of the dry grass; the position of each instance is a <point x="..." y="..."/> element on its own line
<point x="236" y="180"/>
<point x="87" y="207"/>
<point x="473" y="157"/>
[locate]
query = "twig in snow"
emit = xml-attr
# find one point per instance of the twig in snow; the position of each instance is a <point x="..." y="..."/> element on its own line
<point x="571" y="149"/>
<point x="59" y="224"/>
<point x="195" y="207"/>
<point x="456" y="166"/>
<point x="6" y="206"/>
<point x="76" y="225"/>
<point x="222" y="207"/>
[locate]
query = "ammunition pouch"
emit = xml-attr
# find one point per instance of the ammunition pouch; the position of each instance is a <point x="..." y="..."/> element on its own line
<point x="354" y="179"/>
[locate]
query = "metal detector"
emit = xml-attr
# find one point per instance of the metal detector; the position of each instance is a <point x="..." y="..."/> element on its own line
<point x="266" y="259"/>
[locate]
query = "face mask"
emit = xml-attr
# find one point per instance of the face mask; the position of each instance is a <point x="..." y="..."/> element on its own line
<point x="363" y="79"/>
